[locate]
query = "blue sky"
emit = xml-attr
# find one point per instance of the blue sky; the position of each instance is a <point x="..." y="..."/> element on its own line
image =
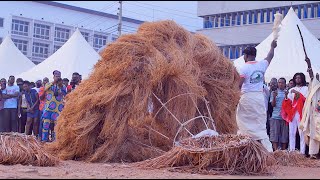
<point x="183" y="12"/>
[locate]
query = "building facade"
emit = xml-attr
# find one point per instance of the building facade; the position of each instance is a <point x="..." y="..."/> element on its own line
<point x="234" y="25"/>
<point x="39" y="28"/>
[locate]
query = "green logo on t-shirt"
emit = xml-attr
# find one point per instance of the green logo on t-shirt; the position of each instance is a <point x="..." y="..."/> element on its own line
<point x="256" y="77"/>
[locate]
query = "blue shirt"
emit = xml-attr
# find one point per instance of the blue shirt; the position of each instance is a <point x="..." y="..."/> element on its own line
<point x="276" y="114"/>
<point x="31" y="98"/>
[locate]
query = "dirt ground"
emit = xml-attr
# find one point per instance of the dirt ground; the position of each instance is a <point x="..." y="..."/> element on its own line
<point x="72" y="169"/>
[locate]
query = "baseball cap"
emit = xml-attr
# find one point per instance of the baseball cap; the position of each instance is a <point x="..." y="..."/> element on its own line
<point x="250" y="51"/>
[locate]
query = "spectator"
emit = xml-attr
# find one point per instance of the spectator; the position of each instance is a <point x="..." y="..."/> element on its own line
<point x="55" y="91"/>
<point x="292" y="108"/>
<point x="33" y="85"/>
<point x="22" y="110"/>
<point x="11" y="106"/>
<point x="2" y="125"/>
<point x="279" y="129"/>
<point x="32" y="110"/>
<point x="3" y="81"/>
<point x="74" y="82"/>
<point x="273" y="85"/>
<point x="291" y="84"/>
<point x="65" y="82"/>
<point x="38" y="85"/>
<point x="19" y="82"/>
<point x="42" y="98"/>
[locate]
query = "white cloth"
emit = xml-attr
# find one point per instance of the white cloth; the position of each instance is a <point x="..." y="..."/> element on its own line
<point x="292" y="135"/>
<point x="314" y="147"/>
<point x="251" y="118"/>
<point x="253" y="72"/>
<point x="295" y="122"/>
<point x="310" y="122"/>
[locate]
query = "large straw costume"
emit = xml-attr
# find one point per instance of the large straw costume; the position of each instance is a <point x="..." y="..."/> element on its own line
<point x="106" y="118"/>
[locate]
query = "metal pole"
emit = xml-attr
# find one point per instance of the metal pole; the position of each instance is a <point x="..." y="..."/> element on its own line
<point x="120" y="19"/>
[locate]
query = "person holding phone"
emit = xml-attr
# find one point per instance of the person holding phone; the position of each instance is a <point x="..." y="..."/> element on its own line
<point x="55" y="93"/>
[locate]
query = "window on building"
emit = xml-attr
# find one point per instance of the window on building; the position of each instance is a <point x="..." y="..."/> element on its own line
<point x="56" y="47"/>
<point x="0" y="40"/>
<point x="20" y="27"/>
<point x="222" y="21"/>
<point x="286" y="9"/>
<point x="250" y="17"/>
<point x="318" y="10"/>
<point x="61" y="34"/>
<point x="231" y="53"/>
<point x="85" y="35"/>
<point x="273" y="13"/>
<point x="227" y="20"/>
<point x="261" y="16"/>
<point x="238" y="19"/>
<point x="233" y="19"/>
<point x="22" y="45"/>
<point x="299" y="12"/>
<point x="237" y="52"/>
<point x="268" y="15"/>
<point x="244" y="20"/>
<point x="305" y="12"/>
<point x="312" y="14"/>
<point x="226" y="51"/>
<point x="99" y="40"/>
<point x="216" y="21"/>
<point x="114" y="38"/>
<point x="206" y="22"/>
<point x="1" y="22"/>
<point x="40" y="50"/>
<point x="255" y="16"/>
<point x="41" y="31"/>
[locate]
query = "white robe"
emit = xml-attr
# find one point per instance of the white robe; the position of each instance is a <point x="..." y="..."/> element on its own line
<point x="252" y="117"/>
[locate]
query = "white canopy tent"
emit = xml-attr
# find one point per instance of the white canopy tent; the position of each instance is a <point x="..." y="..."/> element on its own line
<point x="76" y="55"/>
<point x="289" y="57"/>
<point x="12" y="61"/>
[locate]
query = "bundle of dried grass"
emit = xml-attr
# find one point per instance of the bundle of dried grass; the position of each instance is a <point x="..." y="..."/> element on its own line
<point x="222" y="154"/>
<point x="295" y="159"/>
<point x="17" y="148"/>
<point x="106" y="118"/>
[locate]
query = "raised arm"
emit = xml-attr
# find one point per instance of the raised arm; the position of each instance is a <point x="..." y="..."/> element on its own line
<point x="310" y="71"/>
<point x="271" y="52"/>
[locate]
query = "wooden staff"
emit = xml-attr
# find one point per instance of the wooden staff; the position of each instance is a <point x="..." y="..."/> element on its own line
<point x="304" y="49"/>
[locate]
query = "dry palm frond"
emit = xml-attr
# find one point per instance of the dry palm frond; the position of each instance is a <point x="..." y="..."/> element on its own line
<point x="106" y="118"/>
<point x="17" y="148"/>
<point x="222" y="154"/>
<point x="294" y="158"/>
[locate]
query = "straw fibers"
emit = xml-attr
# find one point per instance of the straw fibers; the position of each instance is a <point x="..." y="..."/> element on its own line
<point x="222" y="154"/>
<point x="295" y="159"/>
<point x="17" y="148"/>
<point x="108" y="119"/>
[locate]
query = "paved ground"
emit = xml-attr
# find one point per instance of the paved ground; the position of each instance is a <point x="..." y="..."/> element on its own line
<point x="72" y="169"/>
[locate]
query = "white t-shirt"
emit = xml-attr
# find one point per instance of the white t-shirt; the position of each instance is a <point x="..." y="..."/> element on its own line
<point x="253" y="72"/>
<point x="12" y="102"/>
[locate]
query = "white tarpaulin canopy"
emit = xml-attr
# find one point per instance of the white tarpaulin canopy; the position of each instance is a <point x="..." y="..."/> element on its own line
<point x="289" y="57"/>
<point x="12" y="61"/>
<point x="76" y="55"/>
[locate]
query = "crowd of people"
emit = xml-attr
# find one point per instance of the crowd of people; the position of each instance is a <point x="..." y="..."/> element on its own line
<point x="280" y="115"/>
<point x="33" y="108"/>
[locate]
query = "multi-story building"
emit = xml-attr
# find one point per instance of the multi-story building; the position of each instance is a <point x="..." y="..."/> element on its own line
<point x="39" y="28"/>
<point x="234" y="25"/>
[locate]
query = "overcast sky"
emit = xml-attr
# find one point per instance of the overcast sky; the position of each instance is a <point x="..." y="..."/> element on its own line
<point x="183" y="12"/>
